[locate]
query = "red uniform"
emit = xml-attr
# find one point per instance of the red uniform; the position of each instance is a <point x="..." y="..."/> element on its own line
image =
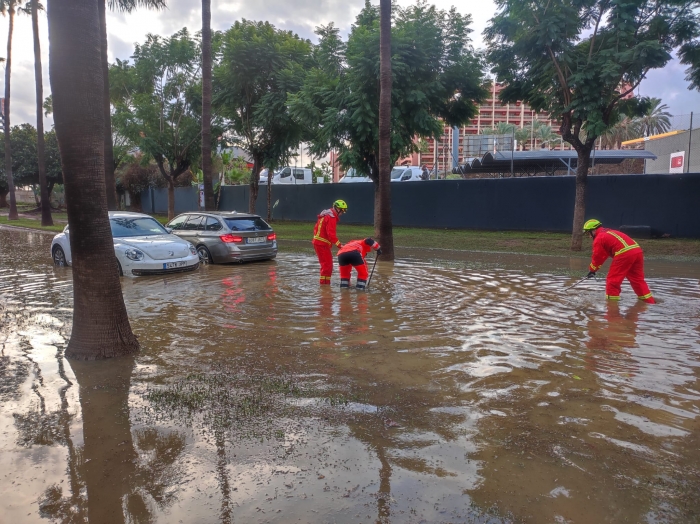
<point x="324" y="238"/>
<point x="628" y="261"/>
<point x="352" y="255"/>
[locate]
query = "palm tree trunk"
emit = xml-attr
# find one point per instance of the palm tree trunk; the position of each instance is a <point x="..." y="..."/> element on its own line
<point x="583" y="163"/>
<point x="101" y="326"/>
<point x="110" y="183"/>
<point x="46" y="219"/>
<point x="269" y="194"/>
<point x="209" y="203"/>
<point x="3" y="197"/>
<point x="8" y="146"/>
<point x="382" y="196"/>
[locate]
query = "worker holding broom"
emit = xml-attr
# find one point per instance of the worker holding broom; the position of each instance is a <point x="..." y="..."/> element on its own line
<point x="352" y="255"/>
<point x="628" y="261"/>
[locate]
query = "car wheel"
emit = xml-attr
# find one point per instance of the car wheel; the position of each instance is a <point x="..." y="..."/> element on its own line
<point x="204" y="255"/>
<point x="59" y="257"/>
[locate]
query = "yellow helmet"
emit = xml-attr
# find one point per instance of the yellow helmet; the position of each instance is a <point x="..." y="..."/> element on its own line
<point x="591" y="224"/>
<point x="340" y="204"/>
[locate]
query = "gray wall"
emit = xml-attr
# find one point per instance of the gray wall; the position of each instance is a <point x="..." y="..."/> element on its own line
<point x="663" y="147"/>
<point x="668" y="203"/>
<point x="155" y="201"/>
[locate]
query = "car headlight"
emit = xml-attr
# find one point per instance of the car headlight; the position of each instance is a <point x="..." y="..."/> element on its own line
<point x="134" y="254"/>
<point x="193" y="250"/>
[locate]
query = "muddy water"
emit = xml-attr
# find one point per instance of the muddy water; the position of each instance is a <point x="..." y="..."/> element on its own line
<point x="469" y="389"/>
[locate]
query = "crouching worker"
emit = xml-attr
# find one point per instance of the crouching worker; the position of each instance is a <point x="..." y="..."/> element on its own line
<point x="628" y="261"/>
<point x="352" y="255"/>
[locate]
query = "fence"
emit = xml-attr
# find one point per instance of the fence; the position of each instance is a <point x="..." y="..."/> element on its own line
<point x="667" y="203"/>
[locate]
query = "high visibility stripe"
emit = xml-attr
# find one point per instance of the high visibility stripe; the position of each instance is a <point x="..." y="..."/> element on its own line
<point x="316" y="237"/>
<point x="644" y="297"/>
<point x="325" y="277"/>
<point x="612" y="297"/>
<point x="626" y="247"/>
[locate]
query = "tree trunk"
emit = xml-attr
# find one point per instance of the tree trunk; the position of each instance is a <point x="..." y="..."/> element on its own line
<point x="110" y="183"/>
<point x="171" y="199"/>
<point x="3" y="197"/>
<point x="269" y="194"/>
<point x="254" y="183"/>
<point x="8" y="145"/>
<point x="382" y="195"/>
<point x="46" y="219"/>
<point x="209" y="203"/>
<point x="101" y="326"/>
<point x="584" y="160"/>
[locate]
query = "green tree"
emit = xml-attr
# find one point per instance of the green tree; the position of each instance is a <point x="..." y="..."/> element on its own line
<point x="655" y="120"/>
<point x="436" y="80"/>
<point x="101" y="327"/>
<point x="260" y="67"/>
<point x="126" y="6"/>
<point x="578" y="60"/>
<point x="157" y="104"/>
<point x="9" y="7"/>
<point x="33" y="8"/>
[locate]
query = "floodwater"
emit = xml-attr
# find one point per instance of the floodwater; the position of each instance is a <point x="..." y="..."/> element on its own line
<point x="466" y="389"/>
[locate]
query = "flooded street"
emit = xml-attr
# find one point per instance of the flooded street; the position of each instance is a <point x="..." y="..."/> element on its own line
<point x="465" y="389"/>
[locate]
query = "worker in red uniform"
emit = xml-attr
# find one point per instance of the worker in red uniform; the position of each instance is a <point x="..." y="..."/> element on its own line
<point x="325" y="237"/>
<point x="352" y="255"/>
<point x="628" y="261"/>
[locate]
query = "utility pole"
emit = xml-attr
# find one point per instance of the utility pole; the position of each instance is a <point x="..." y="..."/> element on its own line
<point x="690" y="141"/>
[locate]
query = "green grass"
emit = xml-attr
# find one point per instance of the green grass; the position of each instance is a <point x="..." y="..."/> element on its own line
<point x="540" y="243"/>
<point x="527" y="242"/>
<point x="31" y="223"/>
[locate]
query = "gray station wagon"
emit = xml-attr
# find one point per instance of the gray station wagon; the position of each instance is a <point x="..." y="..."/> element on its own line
<point x="222" y="237"/>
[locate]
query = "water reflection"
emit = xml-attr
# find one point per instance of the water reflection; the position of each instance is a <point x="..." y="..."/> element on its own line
<point x="463" y="390"/>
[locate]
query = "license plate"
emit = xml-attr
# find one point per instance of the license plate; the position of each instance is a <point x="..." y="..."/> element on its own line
<point x="171" y="265"/>
<point x="255" y="240"/>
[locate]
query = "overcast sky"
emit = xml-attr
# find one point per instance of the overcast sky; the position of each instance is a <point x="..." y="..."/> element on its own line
<point x="300" y="16"/>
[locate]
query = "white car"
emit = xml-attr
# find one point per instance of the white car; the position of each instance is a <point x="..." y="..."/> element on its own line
<point x="353" y="176"/>
<point x="406" y="174"/>
<point x="142" y="246"/>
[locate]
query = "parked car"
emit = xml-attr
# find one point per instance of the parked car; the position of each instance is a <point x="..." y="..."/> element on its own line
<point x="406" y="174"/>
<point x="142" y="246"/>
<point x="353" y="176"/>
<point x="221" y="237"/>
<point x="291" y="175"/>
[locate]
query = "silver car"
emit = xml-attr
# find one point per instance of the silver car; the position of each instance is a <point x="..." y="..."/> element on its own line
<point x="222" y="237"/>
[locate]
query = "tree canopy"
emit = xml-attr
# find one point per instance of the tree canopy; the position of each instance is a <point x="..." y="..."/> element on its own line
<point x="581" y="60"/>
<point x="260" y="66"/>
<point x="157" y="102"/>
<point x="437" y="79"/>
<point x="25" y="165"/>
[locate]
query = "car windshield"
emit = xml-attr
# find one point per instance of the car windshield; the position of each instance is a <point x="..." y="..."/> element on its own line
<point x="135" y="227"/>
<point x="247" y="224"/>
<point x="397" y="172"/>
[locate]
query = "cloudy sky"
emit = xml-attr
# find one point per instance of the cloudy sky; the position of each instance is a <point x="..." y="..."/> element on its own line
<point x="301" y="16"/>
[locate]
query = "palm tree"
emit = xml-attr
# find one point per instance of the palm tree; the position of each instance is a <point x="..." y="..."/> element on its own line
<point x="623" y="129"/>
<point x="46" y="219"/>
<point x="126" y="6"/>
<point x="382" y="196"/>
<point x="209" y="203"/>
<point x="655" y="120"/>
<point x="8" y="7"/>
<point x="101" y="326"/>
<point x="544" y="135"/>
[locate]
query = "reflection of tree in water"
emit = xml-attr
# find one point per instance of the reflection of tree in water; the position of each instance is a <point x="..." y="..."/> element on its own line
<point x="115" y="476"/>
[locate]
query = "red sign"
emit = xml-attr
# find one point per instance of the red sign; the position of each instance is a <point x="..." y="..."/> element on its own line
<point x="677" y="161"/>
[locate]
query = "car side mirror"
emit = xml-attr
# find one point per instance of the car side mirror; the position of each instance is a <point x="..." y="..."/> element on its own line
<point x="169" y="229"/>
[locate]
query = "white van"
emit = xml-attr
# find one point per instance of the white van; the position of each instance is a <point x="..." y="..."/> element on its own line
<point x="406" y="174"/>
<point x="293" y="175"/>
<point x="353" y="176"/>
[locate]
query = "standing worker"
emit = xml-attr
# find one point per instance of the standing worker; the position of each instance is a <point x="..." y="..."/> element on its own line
<point x="352" y="255"/>
<point x="628" y="261"/>
<point x="325" y="237"/>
